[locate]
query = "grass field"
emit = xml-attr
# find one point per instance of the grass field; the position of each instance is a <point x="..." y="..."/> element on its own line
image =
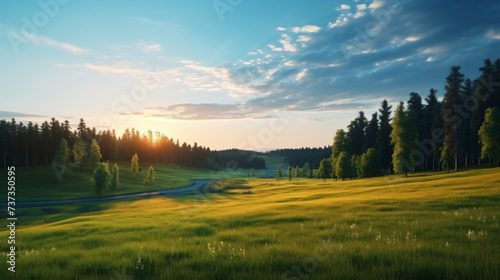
<point x="428" y="226"/>
<point x="41" y="183"/>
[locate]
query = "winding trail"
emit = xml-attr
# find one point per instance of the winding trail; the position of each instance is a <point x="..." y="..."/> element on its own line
<point x="197" y="183"/>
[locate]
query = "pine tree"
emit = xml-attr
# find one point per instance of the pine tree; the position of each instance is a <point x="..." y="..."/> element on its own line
<point x="289" y="173"/>
<point x="465" y="134"/>
<point x="252" y="173"/>
<point x="403" y="135"/>
<point x="432" y="123"/>
<point x="371" y="132"/>
<point x="356" y="134"/>
<point x="483" y="89"/>
<point x="383" y="136"/>
<point x="450" y="117"/>
<point x="416" y="110"/>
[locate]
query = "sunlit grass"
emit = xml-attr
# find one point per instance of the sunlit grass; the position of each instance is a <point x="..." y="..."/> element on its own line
<point x="428" y="226"/>
<point x="41" y="182"/>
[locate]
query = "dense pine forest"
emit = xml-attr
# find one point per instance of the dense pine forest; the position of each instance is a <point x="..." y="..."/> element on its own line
<point x="461" y="129"/>
<point x="31" y="144"/>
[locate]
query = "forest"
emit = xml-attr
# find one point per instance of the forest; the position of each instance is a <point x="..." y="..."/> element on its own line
<point x="31" y="145"/>
<point x="461" y="129"/>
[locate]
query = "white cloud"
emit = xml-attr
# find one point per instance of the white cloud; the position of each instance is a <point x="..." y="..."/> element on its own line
<point x="430" y="59"/>
<point x="306" y="29"/>
<point x="359" y="14"/>
<point x="412" y="39"/>
<point x="288" y="46"/>
<point x="252" y="53"/>
<point x="432" y="50"/>
<point x="360" y="11"/>
<point x="341" y="21"/>
<point x="399" y="41"/>
<point x="361" y="7"/>
<point x="304" y="38"/>
<point x="343" y="7"/>
<point x="274" y="48"/>
<point x="493" y="34"/>
<point x="301" y="75"/>
<point x="281" y="29"/>
<point x="376" y="4"/>
<point x="286" y="43"/>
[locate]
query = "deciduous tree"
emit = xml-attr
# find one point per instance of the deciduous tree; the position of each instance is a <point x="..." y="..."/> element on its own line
<point x="101" y="178"/>
<point x="489" y="135"/>
<point x="278" y="173"/>
<point x="95" y="153"/>
<point x="115" y="178"/>
<point x="342" y="169"/>
<point x="134" y="165"/>
<point x="325" y="169"/>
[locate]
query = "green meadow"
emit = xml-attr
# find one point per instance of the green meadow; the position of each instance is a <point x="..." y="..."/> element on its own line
<point x="431" y="225"/>
<point x="41" y="182"/>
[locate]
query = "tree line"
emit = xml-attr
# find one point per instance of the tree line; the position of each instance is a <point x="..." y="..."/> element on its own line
<point x="32" y="144"/>
<point x="235" y="158"/>
<point x="301" y="156"/>
<point x="460" y="130"/>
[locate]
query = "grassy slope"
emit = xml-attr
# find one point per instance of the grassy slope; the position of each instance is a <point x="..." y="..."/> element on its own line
<point x="430" y="226"/>
<point x="41" y="183"/>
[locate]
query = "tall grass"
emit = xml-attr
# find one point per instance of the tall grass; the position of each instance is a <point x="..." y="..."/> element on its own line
<point x="429" y="226"/>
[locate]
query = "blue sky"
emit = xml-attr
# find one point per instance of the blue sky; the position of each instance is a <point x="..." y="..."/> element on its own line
<point x="233" y="73"/>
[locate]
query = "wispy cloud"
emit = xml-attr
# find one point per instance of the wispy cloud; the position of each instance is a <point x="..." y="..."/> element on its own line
<point x="149" y="21"/>
<point x="205" y="111"/>
<point x="493" y="34"/>
<point x="18" y="37"/>
<point x="152" y="47"/>
<point x="9" y="115"/>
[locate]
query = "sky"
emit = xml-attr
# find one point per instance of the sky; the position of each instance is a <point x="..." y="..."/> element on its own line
<point x="247" y="74"/>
